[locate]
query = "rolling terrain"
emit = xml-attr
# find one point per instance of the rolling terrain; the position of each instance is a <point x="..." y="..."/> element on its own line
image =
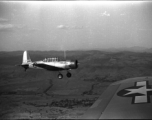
<point x="40" y="94"/>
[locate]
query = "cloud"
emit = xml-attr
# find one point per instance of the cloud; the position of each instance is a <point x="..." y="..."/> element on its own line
<point x="62" y="27"/>
<point x="3" y="20"/>
<point x="15" y="27"/>
<point x="122" y="14"/>
<point x="145" y="29"/>
<point x="33" y="29"/>
<point x="6" y="26"/>
<point x="19" y="26"/>
<point x="69" y="27"/>
<point x="105" y="14"/>
<point x="10" y="27"/>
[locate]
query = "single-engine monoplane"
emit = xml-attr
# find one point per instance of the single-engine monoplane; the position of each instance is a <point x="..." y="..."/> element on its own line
<point x="51" y="64"/>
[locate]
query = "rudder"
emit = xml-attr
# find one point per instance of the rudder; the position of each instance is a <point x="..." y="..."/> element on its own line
<point x="26" y="58"/>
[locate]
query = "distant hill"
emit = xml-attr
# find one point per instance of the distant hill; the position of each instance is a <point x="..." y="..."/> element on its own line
<point x="130" y="49"/>
<point x="149" y="50"/>
<point x="95" y="68"/>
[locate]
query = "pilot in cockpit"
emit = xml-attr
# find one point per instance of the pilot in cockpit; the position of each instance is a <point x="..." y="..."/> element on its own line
<point x="44" y="60"/>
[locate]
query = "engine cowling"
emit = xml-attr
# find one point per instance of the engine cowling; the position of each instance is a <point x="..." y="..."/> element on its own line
<point x="74" y="64"/>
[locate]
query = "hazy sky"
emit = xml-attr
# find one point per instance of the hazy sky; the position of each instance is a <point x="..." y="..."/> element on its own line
<point x="59" y="25"/>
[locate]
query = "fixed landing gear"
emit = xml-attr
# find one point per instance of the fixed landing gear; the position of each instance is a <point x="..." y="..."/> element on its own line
<point x="68" y="74"/>
<point x="60" y="76"/>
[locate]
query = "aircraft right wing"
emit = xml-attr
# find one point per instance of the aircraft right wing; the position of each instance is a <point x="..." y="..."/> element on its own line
<point x="126" y="99"/>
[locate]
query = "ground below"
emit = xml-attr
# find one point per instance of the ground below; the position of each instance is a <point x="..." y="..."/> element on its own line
<point x="40" y="94"/>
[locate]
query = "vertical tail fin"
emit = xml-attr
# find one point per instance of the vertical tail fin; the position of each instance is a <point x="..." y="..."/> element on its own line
<point x="26" y="58"/>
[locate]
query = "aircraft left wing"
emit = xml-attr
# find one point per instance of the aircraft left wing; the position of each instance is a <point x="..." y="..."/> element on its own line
<point x="126" y="99"/>
<point x="49" y="66"/>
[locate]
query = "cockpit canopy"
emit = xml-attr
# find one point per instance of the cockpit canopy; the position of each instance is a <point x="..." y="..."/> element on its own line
<point x="50" y="60"/>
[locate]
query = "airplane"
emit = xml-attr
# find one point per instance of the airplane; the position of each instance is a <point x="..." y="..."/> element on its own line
<point x="51" y="64"/>
<point x="127" y="99"/>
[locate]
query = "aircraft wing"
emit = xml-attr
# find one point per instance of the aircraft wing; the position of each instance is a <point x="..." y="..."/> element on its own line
<point x="49" y="66"/>
<point x="126" y="99"/>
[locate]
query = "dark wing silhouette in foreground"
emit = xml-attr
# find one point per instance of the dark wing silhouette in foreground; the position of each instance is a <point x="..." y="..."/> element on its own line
<point x="126" y="99"/>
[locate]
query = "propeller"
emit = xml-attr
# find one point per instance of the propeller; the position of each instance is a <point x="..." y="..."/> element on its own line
<point x="76" y="63"/>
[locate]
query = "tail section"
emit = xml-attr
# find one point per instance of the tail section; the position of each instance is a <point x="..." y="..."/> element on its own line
<point x="26" y="58"/>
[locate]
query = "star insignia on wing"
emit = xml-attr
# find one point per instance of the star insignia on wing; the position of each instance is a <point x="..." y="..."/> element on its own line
<point x="140" y="92"/>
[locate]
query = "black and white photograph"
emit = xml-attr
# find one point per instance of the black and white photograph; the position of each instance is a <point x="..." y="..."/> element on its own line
<point x="76" y="59"/>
